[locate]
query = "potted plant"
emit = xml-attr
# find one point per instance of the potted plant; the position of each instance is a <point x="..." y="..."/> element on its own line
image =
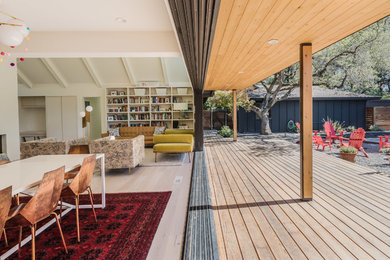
<point x="348" y="153"/>
<point x="386" y="150"/>
<point x="225" y="131"/>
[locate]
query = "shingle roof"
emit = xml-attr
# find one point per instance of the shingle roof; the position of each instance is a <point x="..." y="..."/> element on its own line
<point x="318" y="92"/>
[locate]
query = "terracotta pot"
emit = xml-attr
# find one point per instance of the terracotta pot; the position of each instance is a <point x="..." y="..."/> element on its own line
<point x="348" y="156"/>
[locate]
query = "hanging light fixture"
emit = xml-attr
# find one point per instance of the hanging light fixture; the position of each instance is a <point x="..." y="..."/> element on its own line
<point x="13" y="32"/>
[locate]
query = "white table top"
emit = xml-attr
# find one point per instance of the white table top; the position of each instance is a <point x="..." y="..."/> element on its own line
<point x="26" y="173"/>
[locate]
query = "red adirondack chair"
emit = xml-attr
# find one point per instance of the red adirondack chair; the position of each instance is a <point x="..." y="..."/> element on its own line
<point x="384" y="142"/>
<point x="331" y="133"/>
<point x="318" y="140"/>
<point x="356" y="140"/>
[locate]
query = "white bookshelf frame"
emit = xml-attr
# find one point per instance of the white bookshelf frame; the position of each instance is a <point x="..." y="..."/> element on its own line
<point x="150" y="115"/>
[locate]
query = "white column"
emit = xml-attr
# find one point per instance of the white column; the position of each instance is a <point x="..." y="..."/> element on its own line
<point x="9" y="108"/>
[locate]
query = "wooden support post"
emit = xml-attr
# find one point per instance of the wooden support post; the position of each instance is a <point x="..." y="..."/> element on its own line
<point x="306" y="118"/>
<point x="198" y="102"/>
<point x="234" y="115"/>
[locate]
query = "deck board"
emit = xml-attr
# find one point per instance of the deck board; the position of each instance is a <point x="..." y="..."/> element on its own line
<point x="259" y="215"/>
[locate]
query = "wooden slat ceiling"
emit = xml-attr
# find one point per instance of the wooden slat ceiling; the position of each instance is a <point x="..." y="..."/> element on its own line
<point x="241" y="54"/>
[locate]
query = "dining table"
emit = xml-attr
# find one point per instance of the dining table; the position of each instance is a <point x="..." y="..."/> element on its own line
<point x="25" y="174"/>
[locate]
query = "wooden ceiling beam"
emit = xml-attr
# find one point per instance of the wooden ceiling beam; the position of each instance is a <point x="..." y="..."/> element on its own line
<point x="25" y="79"/>
<point x="129" y="71"/>
<point x="164" y="70"/>
<point x="51" y="67"/>
<point x="92" y="72"/>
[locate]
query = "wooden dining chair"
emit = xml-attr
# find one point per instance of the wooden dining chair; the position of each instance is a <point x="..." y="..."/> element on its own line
<point x="39" y="207"/>
<point x="5" y="205"/>
<point x="81" y="182"/>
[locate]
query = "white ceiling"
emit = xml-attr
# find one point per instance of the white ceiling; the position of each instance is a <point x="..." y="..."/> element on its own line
<point x="90" y="15"/>
<point x="100" y="72"/>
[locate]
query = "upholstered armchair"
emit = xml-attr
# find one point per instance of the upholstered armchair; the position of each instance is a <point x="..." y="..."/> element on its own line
<point x="120" y="153"/>
<point x="48" y="146"/>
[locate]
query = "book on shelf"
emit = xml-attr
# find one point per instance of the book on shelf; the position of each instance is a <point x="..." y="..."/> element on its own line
<point x="165" y="124"/>
<point x="116" y="100"/>
<point x="116" y="117"/>
<point x="139" y="124"/>
<point x="139" y="109"/>
<point x="160" y="100"/>
<point x="163" y="116"/>
<point x="138" y="100"/>
<point x="115" y="125"/>
<point x="117" y="109"/>
<point x="139" y="117"/>
<point x="161" y="109"/>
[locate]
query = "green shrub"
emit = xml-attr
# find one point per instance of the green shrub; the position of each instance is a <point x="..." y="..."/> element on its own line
<point x="385" y="150"/>
<point x="348" y="149"/>
<point x="225" y="131"/>
<point x="350" y="128"/>
<point x="375" y="128"/>
<point x="338" y="126"/>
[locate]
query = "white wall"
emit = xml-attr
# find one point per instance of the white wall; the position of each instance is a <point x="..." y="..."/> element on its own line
<point x="96" y="116"/>
<point x="79" y="91"/>
<point x="32" y="119"/>
<point x="9" y="109"/>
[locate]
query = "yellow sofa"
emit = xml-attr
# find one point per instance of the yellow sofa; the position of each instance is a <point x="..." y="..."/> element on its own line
<point x="173" y="143"/>
<point x="179" y="131"/>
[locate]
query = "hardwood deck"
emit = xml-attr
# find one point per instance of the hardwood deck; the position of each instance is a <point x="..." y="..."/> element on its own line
<point x="255" y="194"/>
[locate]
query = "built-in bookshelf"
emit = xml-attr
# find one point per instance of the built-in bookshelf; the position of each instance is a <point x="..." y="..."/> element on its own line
<point x="172" y="107"/>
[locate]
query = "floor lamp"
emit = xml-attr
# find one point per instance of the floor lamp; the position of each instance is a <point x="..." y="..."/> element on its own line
<point x="86" y="121"/>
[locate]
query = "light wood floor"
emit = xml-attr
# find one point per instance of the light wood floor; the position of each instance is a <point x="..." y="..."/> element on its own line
<point x="167" y="242"/>
<point x="258" y="214"/>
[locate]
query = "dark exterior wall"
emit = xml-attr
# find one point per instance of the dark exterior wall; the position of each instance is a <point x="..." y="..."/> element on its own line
<point x="352" y="112"/>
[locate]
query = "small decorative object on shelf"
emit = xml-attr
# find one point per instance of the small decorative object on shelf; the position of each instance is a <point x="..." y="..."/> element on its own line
<point x="114" y="93"/>
<point x="182" y="91"/>
<point x="161" y="91"/>
<point x="139" y="91"/>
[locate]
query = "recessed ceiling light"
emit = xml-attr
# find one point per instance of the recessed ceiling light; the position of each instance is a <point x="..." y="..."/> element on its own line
<point x="121" y="20"/>
<point x="241" y="72"/>
<point x="273" y="41"/>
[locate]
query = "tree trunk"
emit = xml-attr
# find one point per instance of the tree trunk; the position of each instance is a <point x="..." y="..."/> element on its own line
<point x="265" y="129"/>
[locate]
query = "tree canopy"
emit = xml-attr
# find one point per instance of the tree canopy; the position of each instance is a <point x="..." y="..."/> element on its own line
<point x="358" y="63"/>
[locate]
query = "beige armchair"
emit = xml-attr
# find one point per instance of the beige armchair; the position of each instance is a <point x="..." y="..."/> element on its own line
<point x="122" y="153"/>
<point x="48" y="146"/>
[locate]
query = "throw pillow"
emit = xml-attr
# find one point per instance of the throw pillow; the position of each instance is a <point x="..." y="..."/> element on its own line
<point x="159" y="130"/>
<point x="4" y="157"/>
<point x="114" y="132"/>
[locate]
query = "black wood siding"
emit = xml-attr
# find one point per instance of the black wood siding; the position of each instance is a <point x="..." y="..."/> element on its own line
<point x="351" y="112"/>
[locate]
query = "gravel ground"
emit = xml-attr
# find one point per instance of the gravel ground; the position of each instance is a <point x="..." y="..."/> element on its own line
<point x="375" y="160"/>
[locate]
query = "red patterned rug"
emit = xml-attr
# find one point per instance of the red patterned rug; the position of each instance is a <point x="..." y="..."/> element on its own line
<point x="125" y="230"/>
